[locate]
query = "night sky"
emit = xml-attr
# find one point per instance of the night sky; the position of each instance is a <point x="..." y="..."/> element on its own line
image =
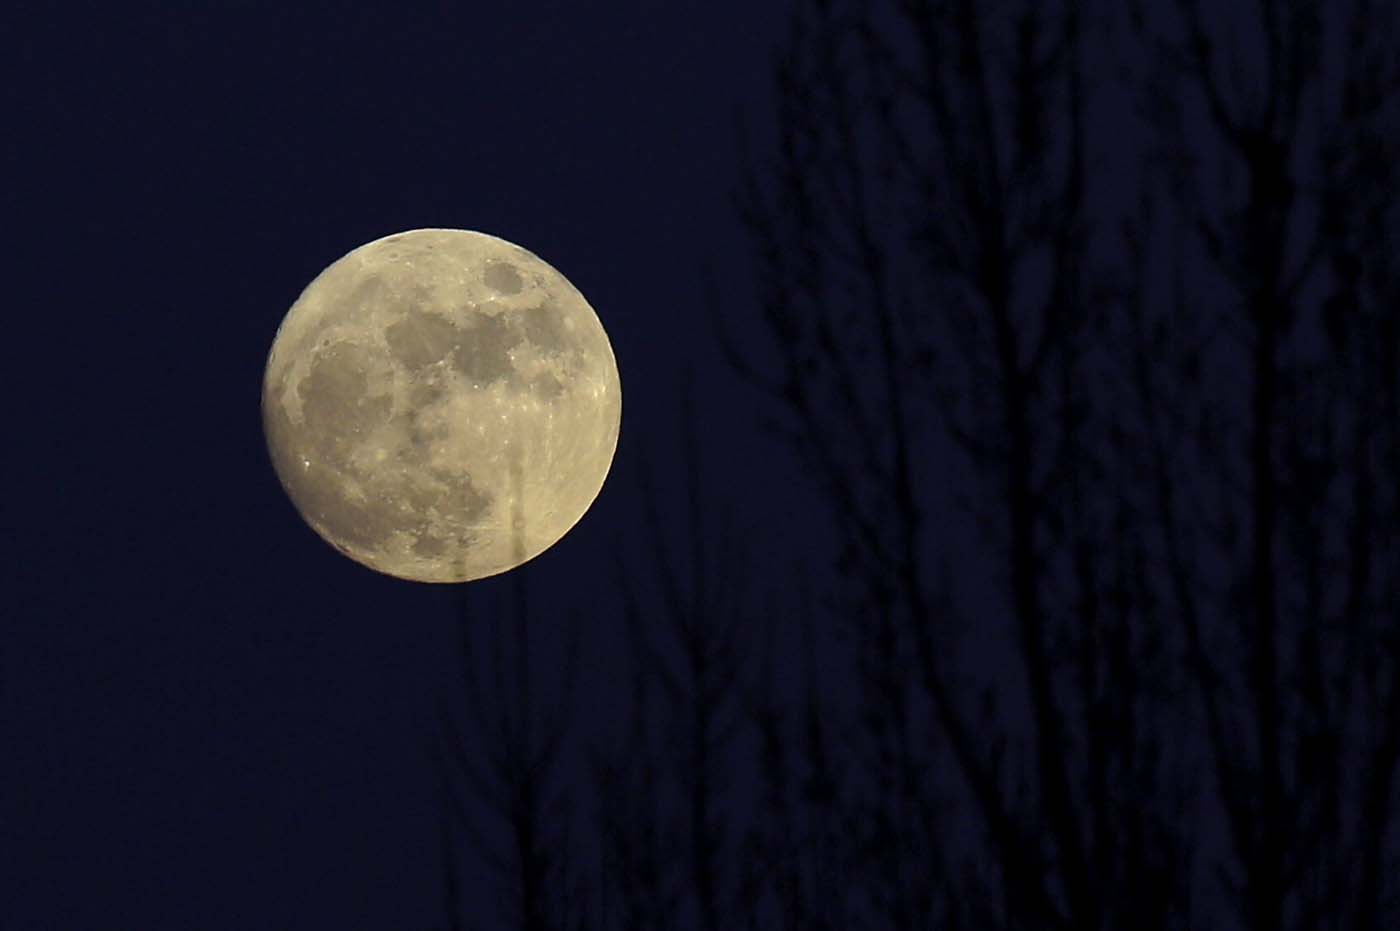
<point x="1051" y="582"/>
<point x="210" y="719"/>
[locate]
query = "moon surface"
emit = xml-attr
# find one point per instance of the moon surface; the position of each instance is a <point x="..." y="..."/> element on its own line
<point x="441" y="405"/>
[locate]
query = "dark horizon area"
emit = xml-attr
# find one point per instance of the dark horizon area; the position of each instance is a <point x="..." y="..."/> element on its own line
<point x="1003" y="531"/>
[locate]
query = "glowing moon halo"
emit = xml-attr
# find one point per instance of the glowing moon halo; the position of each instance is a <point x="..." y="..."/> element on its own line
<point x="441" y="405"/>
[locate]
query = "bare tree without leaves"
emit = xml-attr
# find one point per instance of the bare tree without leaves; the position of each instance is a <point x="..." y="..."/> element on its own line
<point x="505" y="764"/>
<point x="928" y="266"/>
<point x="1177" y="430"/>
<point x="1264" y="378"/>
<point x="1166" y="420"/>
<point x="689" y="647"/>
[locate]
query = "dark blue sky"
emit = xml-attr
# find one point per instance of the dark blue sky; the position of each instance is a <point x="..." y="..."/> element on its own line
<point x="211" y="719"/>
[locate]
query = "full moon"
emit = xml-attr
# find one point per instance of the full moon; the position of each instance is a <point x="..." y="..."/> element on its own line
<point x="441" y="405"/>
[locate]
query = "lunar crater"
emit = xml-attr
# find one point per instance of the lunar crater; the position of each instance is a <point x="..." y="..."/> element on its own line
<point x="502" y="277"/>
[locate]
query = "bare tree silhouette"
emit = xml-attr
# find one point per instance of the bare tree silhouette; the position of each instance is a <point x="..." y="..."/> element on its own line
<point x="1269" y="426"/>
<point x="637" y="879"/>
<point x="1142" y="370"/>
<point x="1175" y="438"/>
<point x="801" y="852"/>
<point x="924" y="253"/>
<point x="506" y="765"/>
<point x="689" y="651"/>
